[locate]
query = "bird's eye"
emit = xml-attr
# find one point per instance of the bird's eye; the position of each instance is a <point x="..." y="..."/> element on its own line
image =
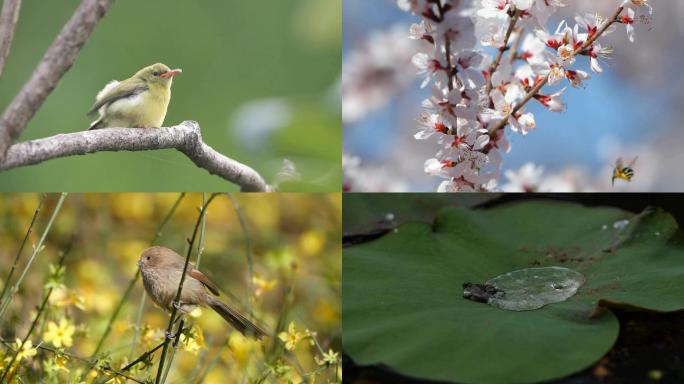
<point x="155" y="73"/>
<point x="148" y="257"/>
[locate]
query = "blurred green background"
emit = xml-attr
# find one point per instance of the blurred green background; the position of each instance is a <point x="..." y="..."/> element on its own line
<point x="261" y="78"/>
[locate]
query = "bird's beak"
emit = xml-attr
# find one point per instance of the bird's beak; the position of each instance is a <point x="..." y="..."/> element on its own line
<point x="171" y="73"/>
<point x="140" y="263"/>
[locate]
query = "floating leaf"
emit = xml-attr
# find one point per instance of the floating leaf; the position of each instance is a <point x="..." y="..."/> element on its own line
<point x="403" y="304"/>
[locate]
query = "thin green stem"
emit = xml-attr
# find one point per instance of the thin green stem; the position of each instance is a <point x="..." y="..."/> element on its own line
<point x="167" y="218"/>
<point x="115" y="314"/>
<point x="138" y="321"/>
<point x="142" y="357"/>
<point x="143" y="296"/>
<point x="174" y="307"/>
<point x="135" y="278"/>
<point x="89" y="363"/>
<point x="212" y="363"/>
<point x="173" y="350"/>
<point x="36" y="250"/>
<point x="248" y="244"/>
<point x="41" y="309"/>
<point x="29" y="231"/>
<point x="200" y="248"/>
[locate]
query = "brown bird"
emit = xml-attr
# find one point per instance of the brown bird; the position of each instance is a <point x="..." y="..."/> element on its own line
<point x="161" y="270"/>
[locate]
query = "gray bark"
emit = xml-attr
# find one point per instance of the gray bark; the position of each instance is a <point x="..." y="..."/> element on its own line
<point x="185" y="137"/>
<point x="55" y="63"/>
<point x="8" y="23"/>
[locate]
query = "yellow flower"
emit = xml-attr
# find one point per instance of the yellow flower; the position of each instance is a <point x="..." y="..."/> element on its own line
<point x="262" y="285"/>
<point x="59" y="335"/>
<point x="291" y="337"/>
<point x="58" y="363"/>
<point x="61" y="362"/>
<point x="151" y="335"/>
<point x="312" y="242"/>
<point x="61" y="297"/>
<point x="329" y="358"/>
<point x="27" y="351"/>
<point x="193" y="343"/>
<point x="197" y="312"/>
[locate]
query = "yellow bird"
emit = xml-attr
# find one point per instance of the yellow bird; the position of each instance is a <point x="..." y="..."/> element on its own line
<point x="138" y="102"/>
<point x="622" y="172"/>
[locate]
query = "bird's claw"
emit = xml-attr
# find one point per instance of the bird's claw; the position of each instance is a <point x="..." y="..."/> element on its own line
<point x="170" y="335"/>
<point x="177" y="305"/>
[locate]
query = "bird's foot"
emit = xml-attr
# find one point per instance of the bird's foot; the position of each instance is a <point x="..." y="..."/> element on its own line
<point x="177" y="305"/>
<point x="170" y="335"/>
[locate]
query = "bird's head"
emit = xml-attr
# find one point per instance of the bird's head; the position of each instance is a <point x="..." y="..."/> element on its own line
<point x="157" y="256"/>
<point x="157" y="74"/>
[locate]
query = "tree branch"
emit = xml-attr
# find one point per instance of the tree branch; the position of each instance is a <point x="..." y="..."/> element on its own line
<point x="55" y="63"/>
<point x="497" y="61"/>
<point x="541" y="83"/>
<point x="185" y="137"/>
<point x="8" y="23"/>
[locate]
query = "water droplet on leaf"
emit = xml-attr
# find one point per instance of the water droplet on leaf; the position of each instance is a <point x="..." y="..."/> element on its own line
<point x="533" y="288"/>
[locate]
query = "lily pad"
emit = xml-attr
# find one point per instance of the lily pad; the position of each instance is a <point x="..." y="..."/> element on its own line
<point x="403" y="302"/>
<point x="365" y="212"/>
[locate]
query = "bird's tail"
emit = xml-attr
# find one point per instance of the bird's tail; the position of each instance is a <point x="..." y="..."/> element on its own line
<point x="236" y="319"/>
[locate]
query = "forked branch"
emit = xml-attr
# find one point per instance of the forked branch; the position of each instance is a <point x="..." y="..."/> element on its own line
<point x="55" y="63"/>
<point x="185" y="137"/>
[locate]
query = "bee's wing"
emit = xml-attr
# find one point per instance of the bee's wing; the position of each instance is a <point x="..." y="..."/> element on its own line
<point x="633" y="162"/>
<point x="619" y="164"/>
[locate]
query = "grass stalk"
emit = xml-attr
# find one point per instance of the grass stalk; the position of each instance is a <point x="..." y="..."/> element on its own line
<point x="174" y="307"/>
<point x="29" y="231"/>
<point x="36" y="251"/>
<point x="41" y="309"/>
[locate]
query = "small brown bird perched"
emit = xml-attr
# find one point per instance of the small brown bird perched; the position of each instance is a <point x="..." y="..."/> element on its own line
<point x="161" y="271"/>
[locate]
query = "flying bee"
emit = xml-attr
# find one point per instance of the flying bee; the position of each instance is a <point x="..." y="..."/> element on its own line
<point x="622" y="172"/>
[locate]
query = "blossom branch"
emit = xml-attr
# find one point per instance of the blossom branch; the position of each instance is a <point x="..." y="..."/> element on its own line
<point x="185" y="137"/>
<point x="55" y="63"/>
<point x="468" y="113"/>
<point x="514" y="49"/>
<point x="450" y="68"/>
<point x="8" y="23"/>
<point x="541" y="83"/>
<point x="502" y="49"/>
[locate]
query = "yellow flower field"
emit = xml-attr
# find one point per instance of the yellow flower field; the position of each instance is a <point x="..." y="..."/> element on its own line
<point x="73" y="308"/>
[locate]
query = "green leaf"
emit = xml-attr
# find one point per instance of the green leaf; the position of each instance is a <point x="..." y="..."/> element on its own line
<point x="403" y="304"/>
<point x="365" y="212"/>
